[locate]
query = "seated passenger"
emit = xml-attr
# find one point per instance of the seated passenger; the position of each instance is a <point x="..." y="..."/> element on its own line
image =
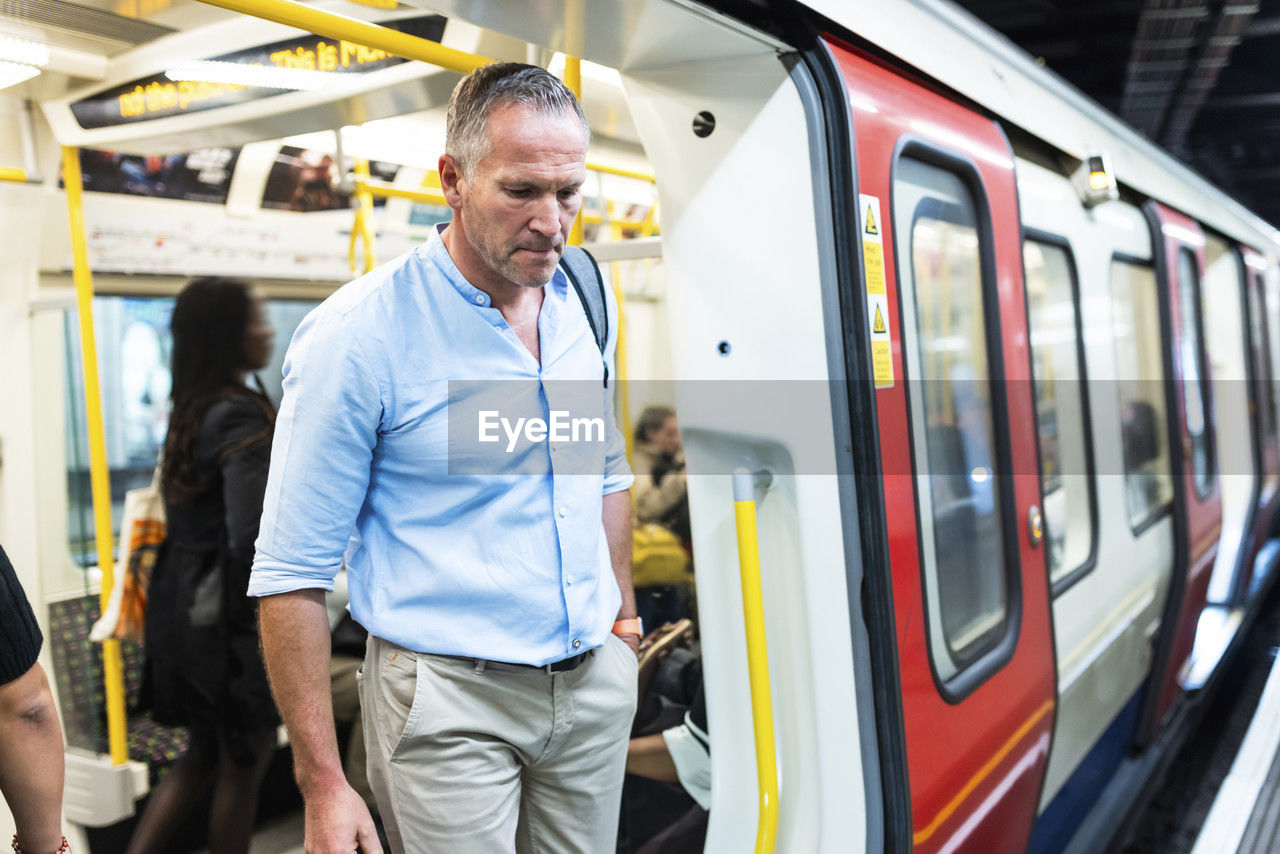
<point x="661" y="489"/>
<point x="668" y="792"/>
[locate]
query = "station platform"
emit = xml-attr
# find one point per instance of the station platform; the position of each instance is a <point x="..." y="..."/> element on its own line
<point x="1245" y="816"/>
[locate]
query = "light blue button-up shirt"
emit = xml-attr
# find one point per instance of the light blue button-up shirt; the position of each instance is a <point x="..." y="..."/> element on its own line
<point x="399" y="442"/>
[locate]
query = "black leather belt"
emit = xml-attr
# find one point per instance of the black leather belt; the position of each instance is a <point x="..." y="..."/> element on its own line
<point x="561" y="666"/>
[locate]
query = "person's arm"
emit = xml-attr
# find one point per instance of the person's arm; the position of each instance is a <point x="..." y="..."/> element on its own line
<point x="616" y="504"/>
<point x="617" y="528"/>
<point x="655" y="500"/>
<point x="647" y="756"/>
<point x="31" y="763"/>
<point x="321" y="455"/>
<point x="295" y="644"/>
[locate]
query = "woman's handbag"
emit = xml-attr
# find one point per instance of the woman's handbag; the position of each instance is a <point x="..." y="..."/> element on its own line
<point x="142" y="533"/>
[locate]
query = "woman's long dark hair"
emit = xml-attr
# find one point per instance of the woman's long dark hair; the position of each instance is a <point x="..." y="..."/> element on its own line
<point x="210" y="319"/>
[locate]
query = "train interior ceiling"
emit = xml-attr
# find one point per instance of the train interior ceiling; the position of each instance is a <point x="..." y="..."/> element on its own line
<point x="964" y="691"/>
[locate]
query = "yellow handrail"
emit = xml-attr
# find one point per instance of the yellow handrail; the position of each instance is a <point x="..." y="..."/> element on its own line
<point x="9" y="173"/>
<point x="623" y="414"/>
<point x="360" y="226"/>
<point x="336" y="26"/>
<point x="387" y="191"/>
<point x="625" y="173"/>
<point x="744" y="510"/>
<point x="113" y="671"/>
<point x="573" y="80"/>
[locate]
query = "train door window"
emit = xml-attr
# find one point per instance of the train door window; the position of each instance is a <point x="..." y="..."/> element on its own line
<point x="1135" y="308"/>
<point x="1192" y="353"/>
<point x="946" y="346"/>
<point x="1260" y="336"/>
<point x="1057" y="366"/>
<point x="134" y="346"/>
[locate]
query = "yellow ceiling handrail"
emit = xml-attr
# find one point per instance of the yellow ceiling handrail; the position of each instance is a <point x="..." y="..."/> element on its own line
<point x="625" y="173"/>
<point x="336" y="26"/>
<point x="9" y="173"/>
<point x="388" y="191"/>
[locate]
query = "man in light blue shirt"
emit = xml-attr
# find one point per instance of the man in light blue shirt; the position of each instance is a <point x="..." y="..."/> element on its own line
<point x="445" y="424"/>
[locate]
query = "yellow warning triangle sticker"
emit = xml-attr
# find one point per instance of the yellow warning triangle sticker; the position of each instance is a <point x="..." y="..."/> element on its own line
<point x="879" y="327"/>
<point x="871" y="222"/>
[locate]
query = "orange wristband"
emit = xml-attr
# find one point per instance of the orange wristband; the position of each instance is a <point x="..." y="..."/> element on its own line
<point x="628" y="627"/>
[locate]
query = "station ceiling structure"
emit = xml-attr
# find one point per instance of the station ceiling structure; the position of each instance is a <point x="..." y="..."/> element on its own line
<point x="1200" y="78"/>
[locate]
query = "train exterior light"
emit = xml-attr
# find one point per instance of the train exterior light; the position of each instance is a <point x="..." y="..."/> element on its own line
<point x="1095" y="180"/>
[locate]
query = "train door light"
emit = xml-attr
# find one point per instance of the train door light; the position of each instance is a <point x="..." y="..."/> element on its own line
<point x="1095" y="180"/>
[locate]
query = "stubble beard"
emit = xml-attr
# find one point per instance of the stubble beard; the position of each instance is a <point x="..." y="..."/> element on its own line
<point x="503" y="262"/>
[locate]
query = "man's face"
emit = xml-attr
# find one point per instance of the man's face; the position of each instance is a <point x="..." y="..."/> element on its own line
<point x="521" y="199"/>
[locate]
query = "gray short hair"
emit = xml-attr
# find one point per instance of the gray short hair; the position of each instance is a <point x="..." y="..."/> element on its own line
<point x="495" y="85"/>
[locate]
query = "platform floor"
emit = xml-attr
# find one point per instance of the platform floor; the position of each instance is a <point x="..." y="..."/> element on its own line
<point x="1245" y="817"/>
<point x="281" y="835"/>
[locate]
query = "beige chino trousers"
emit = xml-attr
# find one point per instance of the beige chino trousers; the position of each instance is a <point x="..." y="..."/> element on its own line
<point x="486" y="758"/>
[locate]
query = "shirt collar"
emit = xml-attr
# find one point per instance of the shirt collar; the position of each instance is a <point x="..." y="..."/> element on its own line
<point x="434" y="250"/>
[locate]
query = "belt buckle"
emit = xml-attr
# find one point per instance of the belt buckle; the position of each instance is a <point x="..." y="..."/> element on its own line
<point x="564" y="665"/>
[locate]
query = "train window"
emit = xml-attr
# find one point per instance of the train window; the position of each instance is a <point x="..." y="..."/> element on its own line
<point x="133" y="364"/>
<point x="1057" y="365"/>
<point x="1192" y="352"/>
<point x="958" y="487"/>
<point x="1263" y="383"/>
<point x="1140" y="386"/>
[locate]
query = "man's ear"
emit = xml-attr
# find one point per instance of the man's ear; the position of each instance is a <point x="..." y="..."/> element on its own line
<point x="450" y="179"/>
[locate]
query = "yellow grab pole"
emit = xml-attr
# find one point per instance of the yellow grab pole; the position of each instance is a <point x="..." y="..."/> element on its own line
<point x="113" y="671"/>
<point x="364" y="215"/>
<point x="336" y="26"/>
<point x="620" y="360"/>
<point x="8" y="173"/>
<point x="573" y="80"/>
<point x="744" y="508"/>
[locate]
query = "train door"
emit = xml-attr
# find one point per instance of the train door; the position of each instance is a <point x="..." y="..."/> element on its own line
<point x="1262" y="409"/>
<point x="1180" y="259"/>
<point x="941" y="241"/>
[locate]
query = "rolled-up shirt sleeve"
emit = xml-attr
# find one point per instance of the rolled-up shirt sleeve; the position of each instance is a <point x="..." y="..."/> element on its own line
<point x="325" y="435"/>
<point x="617" y="473"/>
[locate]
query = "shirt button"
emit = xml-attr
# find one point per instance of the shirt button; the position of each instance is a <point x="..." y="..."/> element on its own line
<point x="563" y="512"/>
<point x="577" y="644"/>
<point x="568" y="579"/>
<point x="479" y="299"/>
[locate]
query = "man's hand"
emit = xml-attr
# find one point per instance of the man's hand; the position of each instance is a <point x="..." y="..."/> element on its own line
<point x="338" y="822"/>
<point x="632" y="641"/>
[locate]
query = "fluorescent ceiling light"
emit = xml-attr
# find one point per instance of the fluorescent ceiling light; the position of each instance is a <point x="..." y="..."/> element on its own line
<point x="23" y="52"/>
<point x="263" y="76"/>
<point x="13" y="73"/>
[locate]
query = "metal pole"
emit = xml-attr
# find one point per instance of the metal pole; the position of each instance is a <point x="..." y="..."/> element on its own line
<point x="337" y="26"/>
<point x="113" y="670"/>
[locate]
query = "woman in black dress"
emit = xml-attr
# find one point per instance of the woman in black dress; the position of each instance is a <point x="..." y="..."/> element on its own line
<point x="204" y="671"/>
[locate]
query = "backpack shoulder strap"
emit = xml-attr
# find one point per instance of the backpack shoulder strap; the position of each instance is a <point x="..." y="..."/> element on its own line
<point x="582" y="269"/>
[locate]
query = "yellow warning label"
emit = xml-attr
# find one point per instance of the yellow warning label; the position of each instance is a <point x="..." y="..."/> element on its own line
<point x="873" y="262"/>
<point x="879" y="327"/>
<point x="871" y="227"/>
<point x="882" y="363"/>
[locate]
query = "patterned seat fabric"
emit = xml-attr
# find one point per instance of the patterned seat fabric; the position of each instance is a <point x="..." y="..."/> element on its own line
<point x="77" y="667"/>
